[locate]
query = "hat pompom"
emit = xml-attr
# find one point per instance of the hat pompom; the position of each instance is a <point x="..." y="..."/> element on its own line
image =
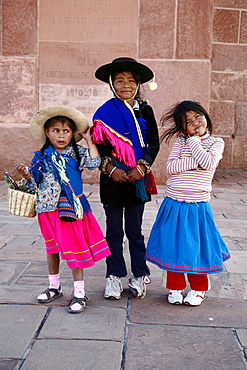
<point x="152" y="86"/>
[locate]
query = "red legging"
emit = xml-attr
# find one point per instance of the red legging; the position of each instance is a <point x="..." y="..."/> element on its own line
<point x="176" y="281"/>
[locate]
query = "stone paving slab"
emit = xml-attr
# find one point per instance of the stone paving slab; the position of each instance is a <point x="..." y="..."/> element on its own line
<point x="75" y="355"/>
<point x="232" y="223"/>
<point x="213" y="313"/>
<point x="8" y="364"/>
<point x="4" y="239"/>
<point x="98" y="300"/>
<point x="22" y="254"/>
<point x="26" y="294"/>
<point x="222" y="205"/>
<point x="241" y="243"/>
<point x="38" y="268"/>
<point x="12" y="231"/>
<point x="18" y="326"/>
<point x="237" y="214"/>
<point x="20" y="221"/>
<point x="237" y="263"/>
<point x="144" y="334"/>
<point x="233" y="232"/>
<point x="233" y="197"/>
<point x="10" y="271"/>
<point x="242" y="336"/>
<point x="176" y="347"/>
<point x="231" y="243"/>
<point x="224" y="285"/>
<point x="20" y="241"/>
<point x="229" y="286"/>
<point x="105" y="323"/>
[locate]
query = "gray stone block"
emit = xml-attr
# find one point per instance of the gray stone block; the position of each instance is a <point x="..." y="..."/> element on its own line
<point x="74" y="354"/>
<point x="213" y="312"/>
<point x="18" y="325"/>
<point x="104" y="323"/>
<point x="180" y="347"/>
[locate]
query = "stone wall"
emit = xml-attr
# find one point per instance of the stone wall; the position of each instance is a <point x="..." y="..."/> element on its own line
<point x="50" y="49"/>
<point x="228" y="105"/>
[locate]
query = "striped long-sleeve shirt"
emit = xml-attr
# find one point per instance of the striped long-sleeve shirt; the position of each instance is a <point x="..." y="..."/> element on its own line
<point x="192" y="163"/>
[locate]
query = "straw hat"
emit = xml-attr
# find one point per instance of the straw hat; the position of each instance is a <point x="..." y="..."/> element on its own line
<point x="124" y="64"/>
<point x="38" y="121"/>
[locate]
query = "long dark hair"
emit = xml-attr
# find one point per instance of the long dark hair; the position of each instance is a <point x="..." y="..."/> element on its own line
<point x="177" y="115"/>
<point x="50" y="122"/>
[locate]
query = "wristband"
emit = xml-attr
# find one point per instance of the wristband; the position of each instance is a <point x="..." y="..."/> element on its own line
<point x="140" y="171"/>
<point x="104" y="163"/>
<point x="146" y="164"/>
<point x="112" y="170"/>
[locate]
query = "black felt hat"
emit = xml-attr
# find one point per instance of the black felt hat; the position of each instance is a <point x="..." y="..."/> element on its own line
<point x="124" y="64"/>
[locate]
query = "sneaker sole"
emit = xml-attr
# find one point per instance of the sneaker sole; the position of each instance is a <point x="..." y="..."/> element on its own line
<point x="76" y="311"/>
<point x="189" y="304"/>
<point x="112" y="297"/>
<point x="135" y="293"/>
<point x="51" y="299"/>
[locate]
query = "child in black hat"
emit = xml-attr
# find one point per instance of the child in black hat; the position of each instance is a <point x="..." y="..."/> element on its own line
<point x="126" y="134"/>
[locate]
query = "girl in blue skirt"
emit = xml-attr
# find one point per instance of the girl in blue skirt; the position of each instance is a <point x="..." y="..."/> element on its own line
<point x="184" y="237"/>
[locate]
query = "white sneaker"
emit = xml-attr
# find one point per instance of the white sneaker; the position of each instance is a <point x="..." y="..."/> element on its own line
<point x="138" y="286"/>
<point x="194" y="298"/>
<point x="175" y="296"/>
<point x="113" y="287"/>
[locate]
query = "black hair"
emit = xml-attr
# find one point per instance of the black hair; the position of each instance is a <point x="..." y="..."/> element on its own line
<point x="136" y="76"/>
<point x="50" y="122"/>
<point x="177" y="115"/>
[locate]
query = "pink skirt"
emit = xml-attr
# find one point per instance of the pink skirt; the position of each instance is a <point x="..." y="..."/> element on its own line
<point x="80" y="243"/>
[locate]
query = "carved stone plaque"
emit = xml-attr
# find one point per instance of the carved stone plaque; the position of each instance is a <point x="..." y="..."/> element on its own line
<point x="89" y="20"/>
<point x="76" y="63"/>
<point x="76" y="37"/>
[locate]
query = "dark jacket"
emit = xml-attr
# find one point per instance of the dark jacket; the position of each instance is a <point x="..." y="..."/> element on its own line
<point x="123" y="194"/>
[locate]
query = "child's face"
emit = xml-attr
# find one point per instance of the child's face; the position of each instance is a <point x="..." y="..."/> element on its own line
<point x="196" y="124"/>
<point x="60" y="135"/>
<point x="125" y="85"/>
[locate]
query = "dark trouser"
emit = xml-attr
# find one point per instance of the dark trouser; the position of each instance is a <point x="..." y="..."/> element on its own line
<point x="114" y="236"/>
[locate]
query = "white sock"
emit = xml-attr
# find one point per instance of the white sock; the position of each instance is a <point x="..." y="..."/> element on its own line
<point x="79" y="289"/>
<point x="54" y="281"/>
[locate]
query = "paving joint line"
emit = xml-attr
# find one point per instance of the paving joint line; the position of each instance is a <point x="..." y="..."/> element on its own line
<point x="34" y="339"/>
<point x="126" y="334"/>
<point x="241" y="348"/>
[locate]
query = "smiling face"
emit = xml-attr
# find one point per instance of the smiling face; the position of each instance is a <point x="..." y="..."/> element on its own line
<point x="125" y="86"/>
<point x="60" y="135"/>
<point x="196" y="124"/>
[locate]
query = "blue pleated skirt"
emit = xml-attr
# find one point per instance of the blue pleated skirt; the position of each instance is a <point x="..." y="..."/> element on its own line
<point x="185" y="239"/>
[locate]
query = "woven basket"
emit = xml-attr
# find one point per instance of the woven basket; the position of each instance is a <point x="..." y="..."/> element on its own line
<point x="21" y="203"/>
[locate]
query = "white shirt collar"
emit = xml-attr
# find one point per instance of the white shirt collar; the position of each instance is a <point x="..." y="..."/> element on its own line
<point x="136" y="105"/>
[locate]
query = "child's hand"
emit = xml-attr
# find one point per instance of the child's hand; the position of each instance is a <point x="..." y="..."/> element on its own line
<point x="86" y="135"/>
<point x="24" y="171"/>
<point x="92" y="147"/>
<point x="133" y="175"/>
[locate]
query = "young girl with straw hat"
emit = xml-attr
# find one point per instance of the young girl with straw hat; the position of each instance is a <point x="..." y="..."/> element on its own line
<point x="64" y="214"/>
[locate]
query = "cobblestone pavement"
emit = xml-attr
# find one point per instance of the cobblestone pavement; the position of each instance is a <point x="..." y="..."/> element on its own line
<point x="129" y="334"/>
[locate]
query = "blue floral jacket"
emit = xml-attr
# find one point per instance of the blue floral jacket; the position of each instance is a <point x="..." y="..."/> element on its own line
<point x="49" y="188"/>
